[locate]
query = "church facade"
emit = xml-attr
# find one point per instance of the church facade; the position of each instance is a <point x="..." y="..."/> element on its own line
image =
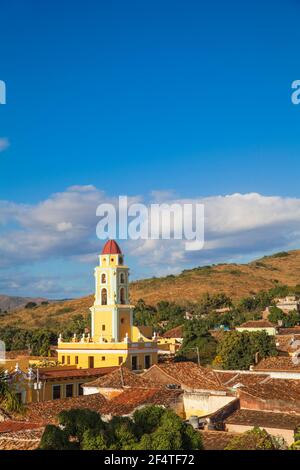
<point x="113" y="340"/>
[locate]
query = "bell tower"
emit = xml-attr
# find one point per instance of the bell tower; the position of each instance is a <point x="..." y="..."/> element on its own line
<point x="111" y="312"/>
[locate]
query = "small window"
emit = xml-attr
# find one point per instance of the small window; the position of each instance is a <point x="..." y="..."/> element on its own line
<point x="68" y="360"/>
<point x="122" y="278"/>
<point x="62" y="359"/>
<point x="56" y="392"/>
<point x="122" y="320"/>
<point x="103" y="278"/>
<point x="76" y="360"/>
<point x="103" y="358"/>
<point x="104" y="297"/>
<point x="80" y="389"/>
<point x="112" y="260"/>
<point x="69" y="390"/>
<point x="121" y="260"/>
<point x="120" y="360"/>
<point x="122" y="295"/>
<point x="103" y="327"/>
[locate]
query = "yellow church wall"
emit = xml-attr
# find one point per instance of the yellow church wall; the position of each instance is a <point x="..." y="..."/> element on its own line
<point x="102" y="318"/>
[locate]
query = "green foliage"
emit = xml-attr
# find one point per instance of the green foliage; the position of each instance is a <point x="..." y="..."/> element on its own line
<point x="55" y="438"/>
<point x="8" y="398"/>
<point x="255" y="439"/>
<point x="196" y="339"/>
<point x="275" y="314"/>
<point x="30" y="305"/>
<point x="152" y="428"/>
<point x="237" y="350"/>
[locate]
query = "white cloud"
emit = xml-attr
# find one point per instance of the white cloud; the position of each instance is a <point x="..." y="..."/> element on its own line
<point x="64" y="226"/>
<point x="4" y="144"/>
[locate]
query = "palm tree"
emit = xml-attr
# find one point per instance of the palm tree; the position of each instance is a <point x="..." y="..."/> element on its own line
<point x="8" y="398"/>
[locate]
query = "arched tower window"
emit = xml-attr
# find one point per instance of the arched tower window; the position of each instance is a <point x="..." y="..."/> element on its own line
<point x="104" y="297"/>
<point x="103" y="278"/>
<point x="122" y="278"/>
<point x="122" y="295"/>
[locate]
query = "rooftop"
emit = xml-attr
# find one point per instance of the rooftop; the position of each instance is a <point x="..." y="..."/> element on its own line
<point x="68" y="373"/>
<point x="264" y="419"/>
<point x="277" y="363"/>
<point x="125" y="403"/>
<point x="111" y="248"/>
<point x="257" y="324"/>
<point x="176" y="332"/>
<point x="186" y="374"/>
<point x="216" y="440"/>
<point x="119" y="378"/>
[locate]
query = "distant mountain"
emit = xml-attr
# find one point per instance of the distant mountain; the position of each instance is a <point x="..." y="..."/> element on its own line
<point x="235" y="280"/>
<point x="10" y="303"/>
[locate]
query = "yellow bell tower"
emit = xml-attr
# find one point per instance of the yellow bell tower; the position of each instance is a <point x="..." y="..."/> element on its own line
<point x="113" y="340"/>
<point x="111" y="312"/>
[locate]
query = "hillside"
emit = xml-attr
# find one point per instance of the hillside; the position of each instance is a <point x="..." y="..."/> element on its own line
<point x="236" y="280"/>
<point x="10" y="303"/>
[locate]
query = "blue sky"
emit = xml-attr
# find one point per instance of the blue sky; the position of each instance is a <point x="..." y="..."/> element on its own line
<point x="134" y="97"/>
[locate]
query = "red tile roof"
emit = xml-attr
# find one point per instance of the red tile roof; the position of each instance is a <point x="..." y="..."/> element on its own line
<point x="187" y="374"/>
<point x="257" y="324"/>
<point x="27" y="439"/>
<point x="13" y="426"/>
<point x="111" y="248"/>
<point x="119" y="378"/>
<point x="176" y="332"/>
<point x="216" y="440"/>
<point x="264" y="419"/>
<point x="278" y="363"/>
<point x="67" y="373"/>
<point x="125" y="403"/>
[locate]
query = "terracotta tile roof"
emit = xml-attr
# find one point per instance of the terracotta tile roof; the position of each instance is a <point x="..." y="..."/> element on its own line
<point x="176" y="332"/>
<point x="277" y="363"/>
<point x="46" y="412"/>
<point x="264" y="419"/>
<point x="13" y="426"/>
<point x="129" y="400"/>
<point x="120" y="377"/>
<point x="28" y="439"/>
<point x="125" y="403"/>
<point x="67" y="373"/>
<point x="287" y="343"/>
<point x="236" y="378"/>
<point x="189" y="375"/>
<point x="257" y="324"/>
<point x="287" y="390"/>
<point x="289" y="331"/>
<point x="216" y="440"/>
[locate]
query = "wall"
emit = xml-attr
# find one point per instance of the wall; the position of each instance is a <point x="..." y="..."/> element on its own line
<point x="274" y="404"/>
<point x="200" y="404"/>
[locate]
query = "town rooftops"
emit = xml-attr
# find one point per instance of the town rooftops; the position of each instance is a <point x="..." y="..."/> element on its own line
<point x="119" y="378"/>
<point x="123" y="404"/>
<point x="216" y="440"/>
<point x="288" y="343"/>
<point x="176" y="332"/>
<point x="111" y="248"/>
<point x="25" y="439"/>
<point x="68" y="373"/>
<point x="187" y="375"/>
<point x="264" y="419"/>
<point x="278" y="363"/>
<point x="289" y="331"/>
<point x="257" y="324"/>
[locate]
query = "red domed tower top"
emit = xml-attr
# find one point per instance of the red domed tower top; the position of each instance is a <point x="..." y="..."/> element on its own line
<point x="111" y="248"/>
